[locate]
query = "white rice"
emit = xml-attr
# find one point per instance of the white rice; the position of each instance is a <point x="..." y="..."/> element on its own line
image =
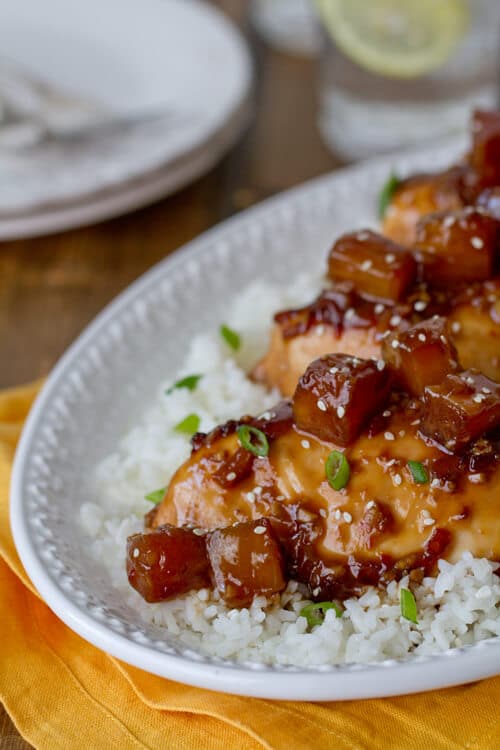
<point x="458" y="607"/>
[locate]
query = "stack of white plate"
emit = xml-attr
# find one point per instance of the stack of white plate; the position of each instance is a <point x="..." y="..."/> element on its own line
<point x="131" y="57"/>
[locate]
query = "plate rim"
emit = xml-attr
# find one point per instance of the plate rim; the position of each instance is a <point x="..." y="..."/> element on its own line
<point x="411" y="675"/>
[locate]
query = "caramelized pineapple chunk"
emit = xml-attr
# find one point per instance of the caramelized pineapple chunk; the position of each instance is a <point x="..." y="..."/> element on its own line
<point x="246" y="562"/>
<point x="338" y="394"/>
<point x="457" y="247"/>
<point x="485" y="154"/>
<point x="237" y="468"/>
<point x="166" y="562"/>
<point x="420" y="356"/>
<point x="461" y="409"/>
<point x="378" y="268"/>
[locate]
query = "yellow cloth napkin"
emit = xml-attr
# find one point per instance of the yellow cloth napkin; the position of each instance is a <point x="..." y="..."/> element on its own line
<point x="61" y="692"/>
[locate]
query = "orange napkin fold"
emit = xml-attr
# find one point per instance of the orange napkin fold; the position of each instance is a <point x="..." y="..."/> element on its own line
<point x="61" y="692"/>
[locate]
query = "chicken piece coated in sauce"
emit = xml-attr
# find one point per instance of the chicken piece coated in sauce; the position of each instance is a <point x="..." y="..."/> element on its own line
<point x="341" y="321"/>
<point x="333" y="539"/>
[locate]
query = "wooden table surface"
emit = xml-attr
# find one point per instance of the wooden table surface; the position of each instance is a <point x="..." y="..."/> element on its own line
<point x="51" y="287"/>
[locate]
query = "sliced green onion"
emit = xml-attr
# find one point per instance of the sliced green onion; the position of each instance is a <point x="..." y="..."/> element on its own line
<point x="231" y="338"/>
<point x="156" y="496"/>
<point x="190" y="382"/>
<point x="418" y="472"/>
<point x="189" y="424"/>
<point x="408" y="606"/>
<point x="386" y="193"/>
<point x="253" y="440"/>
<point x="337" y="470"/>
<point x="315" y="613"/>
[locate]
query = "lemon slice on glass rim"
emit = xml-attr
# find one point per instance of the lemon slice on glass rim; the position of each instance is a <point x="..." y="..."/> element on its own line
<point x="397" y="38"/>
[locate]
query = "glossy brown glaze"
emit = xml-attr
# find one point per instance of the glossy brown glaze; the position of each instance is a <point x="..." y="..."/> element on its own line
<point x="341" y="321"/>
<point x="421" y="355"/>
<point x="381" y="523"/>
<point x="337" y="395"/>
<point x="378" y="268"/>
<point x="458" y="246"/>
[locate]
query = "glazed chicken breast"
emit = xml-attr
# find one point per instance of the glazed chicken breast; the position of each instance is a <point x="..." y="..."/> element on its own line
<point x="374" y="469"/>
<point x="379" y="286"/>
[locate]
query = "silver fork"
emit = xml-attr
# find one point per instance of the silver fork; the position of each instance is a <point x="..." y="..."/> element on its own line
<point x="33" y="113"/>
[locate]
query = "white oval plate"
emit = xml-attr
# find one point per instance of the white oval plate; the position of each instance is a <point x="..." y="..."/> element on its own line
<point x="180" y="56"/>
<point x="105" y="381"/>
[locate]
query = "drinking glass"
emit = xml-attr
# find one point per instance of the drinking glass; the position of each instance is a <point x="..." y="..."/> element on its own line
<point x="363" y="111"/>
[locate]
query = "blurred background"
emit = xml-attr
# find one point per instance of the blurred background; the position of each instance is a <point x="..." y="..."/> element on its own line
<point x="127" y="127"/>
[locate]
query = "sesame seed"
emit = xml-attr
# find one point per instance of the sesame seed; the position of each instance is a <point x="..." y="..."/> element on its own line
<point x="136" y="552"/>
<point x="338" y="515"/>
<point x="266" y="415"/>
<point x="395" y="320"/>
<point x="435" y="482"/>
<point x="394" y="343"/>
<point x="425" y="513"/>
<point x="415" y="422"/>
<point x="347" y="517"/>
<point x="448" y="222"/>
<point x="478" y="398"/>
<point x="428" y="521"/>
<point x="349" y="313"/>
<point x="421" y="337"/>
<point x="389" y="435"/>
<point x="476" y="478"/>
<point x="387" y="413"/>
<point x="321" y="405"/>
<point x="250" y="497"/>
<point x="487" y="391"/>
<point x="316" y="591"/>
<point x="469" y="380"/>
<point x="334" y="370"/>
<point x="322" y="512"/>
<point x="380" y="364"/>
<point x="420" y="305"/>
<point x="477" y="242"/>
<point x="320" y="330"/>
<point x="443" y="339"/>
<point x="198" y="532"/>
<point x="390" y="258"/>
<point x="397" y="479"/>
<point x="379" y="309"/>
<point x="259" y="530"/>
<point x="257" y="490"/>
<point x="362" y="236"/>
<point x="456" y="327"/>
<point x="305" y="444"/>
<point x="369" y="505"/>
<point x="340" y="412"/>
<point x="231" y="476"/>
<point x="366" y="265"/>
<point x="402" y="433"/>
